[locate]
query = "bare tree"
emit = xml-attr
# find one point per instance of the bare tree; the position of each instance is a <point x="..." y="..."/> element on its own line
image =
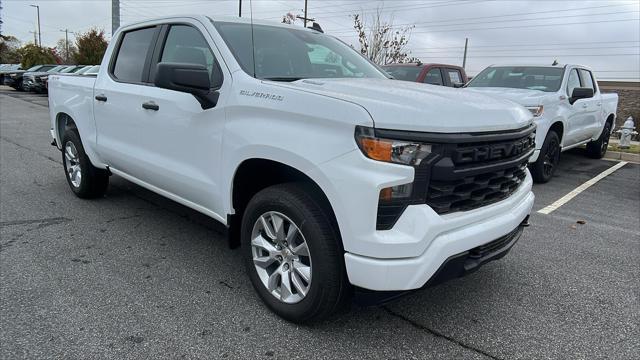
<point x="66" y="50"/>
<point x="289" y="18"/>
<point x="381" y="42"/>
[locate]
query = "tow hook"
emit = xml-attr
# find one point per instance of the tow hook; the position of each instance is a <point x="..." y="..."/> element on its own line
<point x="525" y="222"/>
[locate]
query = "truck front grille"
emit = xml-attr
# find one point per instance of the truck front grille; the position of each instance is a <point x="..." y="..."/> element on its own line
<point x="464" y="171"/>
<point x="475" y="191"/>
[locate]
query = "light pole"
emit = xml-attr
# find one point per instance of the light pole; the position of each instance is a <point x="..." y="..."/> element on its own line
<point x="39" y="33"/>
<point x="66" y="44"/>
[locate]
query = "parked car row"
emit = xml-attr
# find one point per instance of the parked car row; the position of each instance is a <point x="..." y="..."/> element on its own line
<point x="7" y="68"/>
<point x="35" y="79"/>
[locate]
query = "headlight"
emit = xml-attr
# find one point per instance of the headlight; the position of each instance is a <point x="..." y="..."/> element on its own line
<point x="536" y="110"/>
<point x="389" y="150"/>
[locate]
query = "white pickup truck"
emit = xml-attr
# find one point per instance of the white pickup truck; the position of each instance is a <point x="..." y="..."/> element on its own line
<point x="334" y="179"/>
<point x="566" y="101"/>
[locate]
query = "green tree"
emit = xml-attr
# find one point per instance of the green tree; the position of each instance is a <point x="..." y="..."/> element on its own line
<point x="34" y="55"/>
<point x="91" y="47"/>
<point x="9" y="49"/>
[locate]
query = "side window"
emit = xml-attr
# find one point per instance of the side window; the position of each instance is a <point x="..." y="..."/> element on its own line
<point x="131" y="57"/>
<point x="454" y="76"/>
<point x="185" y="44"/>
<point x="434" y="77"/>
<point x="573" y="81"/>
<point x="587" y="79"/>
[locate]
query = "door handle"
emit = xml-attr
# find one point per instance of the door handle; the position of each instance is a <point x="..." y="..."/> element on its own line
<point x="599" y="104"/>
<point x="585" y="105"/>
<point x="150" y="105"/>
<point x="101" y="97"/>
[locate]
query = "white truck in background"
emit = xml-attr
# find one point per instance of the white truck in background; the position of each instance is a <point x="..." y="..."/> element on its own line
<point x="567" y="104"/>
<point x="333" y="177"/>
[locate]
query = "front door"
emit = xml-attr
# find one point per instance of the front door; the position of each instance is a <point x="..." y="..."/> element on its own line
<point x="577" y="113"/>
<point x="183" y="141"/>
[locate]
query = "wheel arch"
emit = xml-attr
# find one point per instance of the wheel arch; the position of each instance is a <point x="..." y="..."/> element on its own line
<point x="63" y="122"/>
<point x="558" y="127"/>
<point x="255" y="174"/>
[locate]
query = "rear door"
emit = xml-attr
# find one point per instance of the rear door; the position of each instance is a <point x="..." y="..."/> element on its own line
<point x="117" y="98"/>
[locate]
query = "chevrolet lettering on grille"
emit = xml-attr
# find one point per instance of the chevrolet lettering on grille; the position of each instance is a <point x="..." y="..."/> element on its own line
<point x="493" y="151"/>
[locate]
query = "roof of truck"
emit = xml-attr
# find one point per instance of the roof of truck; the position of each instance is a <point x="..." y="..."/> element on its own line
<point x="231" y="19"/>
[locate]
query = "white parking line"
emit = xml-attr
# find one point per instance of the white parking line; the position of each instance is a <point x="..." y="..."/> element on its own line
<point x="565" y="199"/>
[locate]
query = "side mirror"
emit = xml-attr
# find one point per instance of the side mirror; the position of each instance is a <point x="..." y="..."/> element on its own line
<point x="188" y="78"/>
<point x="457" y="85"/>
<point x="580" y="93"/>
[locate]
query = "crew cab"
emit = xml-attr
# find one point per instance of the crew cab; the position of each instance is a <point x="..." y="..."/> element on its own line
<point x="333" y="178"/>
<point x="434" y="74"/>
<point x="567" y="104"/>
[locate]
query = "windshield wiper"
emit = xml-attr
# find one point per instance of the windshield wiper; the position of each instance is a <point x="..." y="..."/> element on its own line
<point x="282" y="78"/>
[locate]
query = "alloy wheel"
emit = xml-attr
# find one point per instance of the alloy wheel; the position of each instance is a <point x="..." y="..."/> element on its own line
<point x="72" y="164"/>
<point x="551" y="158"/>
<point x="281" y="257"/>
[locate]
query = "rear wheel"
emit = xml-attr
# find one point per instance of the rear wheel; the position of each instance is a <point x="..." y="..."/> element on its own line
<point x="597" y="149"/>
<point x="542" y="170"/>
<point x="85" y="180"/>
<point x="293" y="254"/>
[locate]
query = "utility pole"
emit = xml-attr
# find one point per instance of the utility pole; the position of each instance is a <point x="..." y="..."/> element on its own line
<point x="305" y="18"/>
<point x="35" y="37"/>
<point x="39" y="33"/>
<point x="239" y="8"/>
<point x="305" y="13"/>
<point x="115" y="16"/>
<point x="464" y="59"/>
<point x="66" y="45"/>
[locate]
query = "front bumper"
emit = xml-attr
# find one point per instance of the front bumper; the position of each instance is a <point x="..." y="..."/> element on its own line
<point x="535" y="156"/>
<point x="473" y="229"/>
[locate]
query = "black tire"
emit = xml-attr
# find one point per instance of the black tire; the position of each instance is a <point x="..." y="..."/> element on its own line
<point x="329" y="288"/>
<point x="542" y="170"/>
<point x="93" y="182"/>
<point x="597" y="149"/>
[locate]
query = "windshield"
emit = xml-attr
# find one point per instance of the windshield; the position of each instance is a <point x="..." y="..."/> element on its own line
<point x="290" y="54"/>
<point x="408" y="73"/>
<point x="57" y="68"/>
<point x="541" y="78"/>
<point x="34" y="68"/>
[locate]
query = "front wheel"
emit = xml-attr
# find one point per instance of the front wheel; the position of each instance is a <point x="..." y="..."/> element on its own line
<point x="597" y="149"/>
<point x="293" y="253"/>
<point x="542" y="170"/>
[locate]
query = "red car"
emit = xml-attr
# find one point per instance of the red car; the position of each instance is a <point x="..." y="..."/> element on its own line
<point x="434" y="74"/>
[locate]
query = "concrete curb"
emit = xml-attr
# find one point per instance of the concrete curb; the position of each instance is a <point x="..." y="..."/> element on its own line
<point x="615" y="155"/>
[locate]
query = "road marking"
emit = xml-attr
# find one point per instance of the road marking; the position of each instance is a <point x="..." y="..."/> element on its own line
<point x="565" y="199"/>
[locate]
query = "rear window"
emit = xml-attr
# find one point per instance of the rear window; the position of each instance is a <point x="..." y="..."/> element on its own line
<point x="132" y="55"/>
<point x="407" y="73"/>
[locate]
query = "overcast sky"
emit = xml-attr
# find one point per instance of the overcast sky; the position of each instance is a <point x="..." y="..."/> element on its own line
<point x="602" y="34"/>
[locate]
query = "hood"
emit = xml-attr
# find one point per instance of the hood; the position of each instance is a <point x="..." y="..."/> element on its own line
<point x="36" y="73"/>
<point x="404" y="105"/>
<point x="523" y="97"/>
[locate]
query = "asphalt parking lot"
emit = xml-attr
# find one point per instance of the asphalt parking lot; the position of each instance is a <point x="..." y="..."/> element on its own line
<point x="136" y="276"/>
